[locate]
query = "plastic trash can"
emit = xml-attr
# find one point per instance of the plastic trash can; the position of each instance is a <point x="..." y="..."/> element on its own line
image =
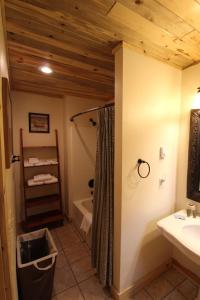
<point x="36" y="258"/>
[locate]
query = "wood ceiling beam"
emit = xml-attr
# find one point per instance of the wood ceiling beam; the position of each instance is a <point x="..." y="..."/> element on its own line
<point x="129" y="18"/>
<point x="119" y="31"/>
<point x="50" y="40"/>
<point x="67" y="60"/>
<point x="76" y="37"/>
<point x="49" y="81"/>
<point x="175" y="59"/>
<point x="23" y="57"/>
<point x="25" y="86"/>
<point x="98" y="6"/>
<point x="19" y="11"/>
<point x="159" y="15"/>
<point x="63" y="56"/>
<point x="62" y="78"/>
<point x="187" y="10"/>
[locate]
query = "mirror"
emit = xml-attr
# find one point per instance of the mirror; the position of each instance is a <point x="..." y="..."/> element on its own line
<point x="193" y="174"/>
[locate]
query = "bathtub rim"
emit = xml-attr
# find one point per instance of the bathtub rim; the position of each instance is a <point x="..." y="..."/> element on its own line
<point x="81" y="208"/>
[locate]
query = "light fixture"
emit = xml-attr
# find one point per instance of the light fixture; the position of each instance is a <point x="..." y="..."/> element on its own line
<point x="196" y="102"/>
<point x="46" y="69"/>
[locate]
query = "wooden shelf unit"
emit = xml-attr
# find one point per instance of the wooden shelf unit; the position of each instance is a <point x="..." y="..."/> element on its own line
<point x="43" y="195"/>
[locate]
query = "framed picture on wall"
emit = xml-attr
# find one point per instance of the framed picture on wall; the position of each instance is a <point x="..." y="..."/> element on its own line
<point x="7" y="122"/>
<point x="39" y="123"/>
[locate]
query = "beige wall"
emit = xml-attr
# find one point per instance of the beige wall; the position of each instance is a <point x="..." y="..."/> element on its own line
<point x="190" y="82"/>
<point x="23" y="103"/>
<point x="8" y="180"/>
<point x="77" y="141"/>
<point x="80" y="146"/>
<point x="148" y="96"/>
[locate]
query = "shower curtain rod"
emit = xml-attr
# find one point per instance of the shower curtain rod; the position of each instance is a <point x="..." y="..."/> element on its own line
<point x="90" y="110"/>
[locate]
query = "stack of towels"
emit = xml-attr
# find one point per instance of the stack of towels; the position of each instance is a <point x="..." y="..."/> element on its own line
<point x="42" y="179"/>
<point x="33" y="161"/>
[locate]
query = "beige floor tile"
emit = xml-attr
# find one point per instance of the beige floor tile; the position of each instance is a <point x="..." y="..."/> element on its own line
<point x="92" y="290"/>
<point x="159" y="288"/>
<point x="57" y="243"/>
<point x="53" y="233"/>
<point x="68" y="239"/>
<point x="61" y="261"/>
<point x="142" y="295"/>
<point x="63" y="280"/>
<point x="70" y="294"/>
<point x="76" y="252"/>
<point x="82" y="269"/>
<point x="188" y="289"/>
<point x="174" y="276"/>
<point x="60" y="231"/>
<point x="175" y="295"/>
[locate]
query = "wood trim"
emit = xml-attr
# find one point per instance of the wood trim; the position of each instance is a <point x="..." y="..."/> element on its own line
<point x="186" y="271"/>
<point x="2" y="276"/>
<point x="5" y="266"/>
<point x="141" y="283"/>
<point x="59" y="175"/>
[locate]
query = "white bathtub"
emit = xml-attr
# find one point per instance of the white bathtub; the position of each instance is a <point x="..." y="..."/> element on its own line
<point x="80" y="209"/>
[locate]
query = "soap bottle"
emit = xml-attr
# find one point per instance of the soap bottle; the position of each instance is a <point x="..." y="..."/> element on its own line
<point x="194" y="211"/>
<point x="189" y="210"/>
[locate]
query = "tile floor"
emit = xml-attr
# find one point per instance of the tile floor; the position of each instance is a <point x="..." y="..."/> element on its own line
<point x="75" y="279"/>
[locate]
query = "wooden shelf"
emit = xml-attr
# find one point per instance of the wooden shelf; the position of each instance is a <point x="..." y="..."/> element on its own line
<point x="42" y="219"/>
<point x="36" y="166"/>
<point x="38" y="185"/>
<point x="32" y="202"/>
<point x="39" y="147"/>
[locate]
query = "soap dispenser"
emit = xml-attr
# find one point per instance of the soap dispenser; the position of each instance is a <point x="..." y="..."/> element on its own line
<point x="194" y="211"/>
<point x="188" y="209"/>
<point x="191" y="210"/>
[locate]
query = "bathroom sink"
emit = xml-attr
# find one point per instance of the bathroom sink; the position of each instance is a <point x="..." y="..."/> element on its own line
<point x="184" y="233"/>
<point x="192" y="234"/>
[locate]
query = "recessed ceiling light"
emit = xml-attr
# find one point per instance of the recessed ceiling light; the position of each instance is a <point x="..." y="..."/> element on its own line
<point x="46" y="70"/>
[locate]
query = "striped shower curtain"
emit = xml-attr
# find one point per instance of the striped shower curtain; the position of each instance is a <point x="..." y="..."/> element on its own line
<point x="102" y="228"/>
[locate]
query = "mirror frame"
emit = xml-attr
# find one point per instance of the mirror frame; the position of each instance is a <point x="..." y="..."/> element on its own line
<point x="193" y="173"/>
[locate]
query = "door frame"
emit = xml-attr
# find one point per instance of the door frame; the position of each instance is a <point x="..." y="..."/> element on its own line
<point x="5" y="279"/>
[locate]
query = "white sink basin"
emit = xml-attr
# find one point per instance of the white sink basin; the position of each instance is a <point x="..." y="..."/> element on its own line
<point x="184" y="234"/>
<point x="192" y="234"/>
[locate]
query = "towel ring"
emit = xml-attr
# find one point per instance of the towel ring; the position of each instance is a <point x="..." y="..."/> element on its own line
<point x="140" y="161"/>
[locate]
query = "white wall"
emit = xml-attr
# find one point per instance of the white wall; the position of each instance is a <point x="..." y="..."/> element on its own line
<point x="190" y="82"/>
<point x="23" y="103"/>
<point x="148" y="95"/>
<point x="7" y="179"/>
<point x="80" y="146"/>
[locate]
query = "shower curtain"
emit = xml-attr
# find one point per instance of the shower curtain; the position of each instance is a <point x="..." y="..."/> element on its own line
<point x="102" y="228"/>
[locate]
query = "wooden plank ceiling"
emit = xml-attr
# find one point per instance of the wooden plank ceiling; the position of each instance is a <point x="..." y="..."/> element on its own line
<point x="76" y="37"/>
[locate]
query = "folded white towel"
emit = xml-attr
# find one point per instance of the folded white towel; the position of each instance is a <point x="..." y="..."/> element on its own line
<point x="86" y="222"/>
<point x="39" y="162"/>
<point x="33" y="160"/>
<point x="42" y="177"/>
<point x="53" y="179"/>
<point x="31" y="182"/>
